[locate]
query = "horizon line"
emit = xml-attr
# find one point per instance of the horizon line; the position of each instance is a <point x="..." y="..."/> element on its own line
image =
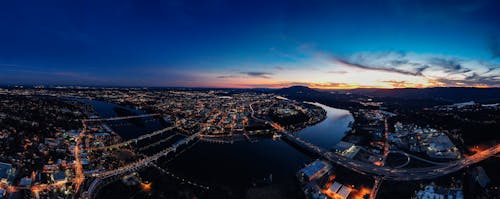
<point x="242" y="88"/>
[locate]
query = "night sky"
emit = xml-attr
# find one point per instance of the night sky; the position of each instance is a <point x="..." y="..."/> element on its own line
<point x="322" y="44"/>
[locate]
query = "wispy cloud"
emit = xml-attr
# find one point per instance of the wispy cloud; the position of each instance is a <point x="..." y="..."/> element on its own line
<point x="279" y="68"/>
<point x="390" y="61"/>
<point x="384" y="69"/>
<point x="440" y="69"/>
<point x="337" y="72"/>
<point x="255" y="74"/>
<point x="227" y="76"/>
<point x="448" y="64"/>
<point x="258" y="74"/>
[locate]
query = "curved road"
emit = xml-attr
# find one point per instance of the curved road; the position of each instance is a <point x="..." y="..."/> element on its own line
<point x="396" y="174"/>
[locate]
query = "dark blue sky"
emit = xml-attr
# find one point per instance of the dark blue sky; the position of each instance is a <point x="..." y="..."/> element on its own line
<point x="251" y="43"/>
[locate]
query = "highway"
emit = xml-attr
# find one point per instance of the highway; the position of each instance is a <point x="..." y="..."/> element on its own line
<point x="386" y="143"/>
<point x="388" y="173"/>
<point x="396" y="174"/>
<point x="79" y="175"/>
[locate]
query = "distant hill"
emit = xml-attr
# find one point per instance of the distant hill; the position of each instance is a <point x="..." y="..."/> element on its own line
<point x="303" y="93"/>
<point x="404" y="97"/>
<point x="451" y="94"/>
<point x="297" y="90"/>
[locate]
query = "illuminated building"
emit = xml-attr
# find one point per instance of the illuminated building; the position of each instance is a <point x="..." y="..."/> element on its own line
<point x="315" y="170"/>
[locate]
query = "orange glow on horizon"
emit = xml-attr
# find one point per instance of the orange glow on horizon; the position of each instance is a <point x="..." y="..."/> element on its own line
<point x="321" y="77"/>
<point x="328" y="86"/>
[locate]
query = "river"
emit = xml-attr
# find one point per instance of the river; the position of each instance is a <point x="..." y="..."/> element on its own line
<point x="234" y="168"/>
<point x="330" y="131"/>
<point x="125" y="128"/>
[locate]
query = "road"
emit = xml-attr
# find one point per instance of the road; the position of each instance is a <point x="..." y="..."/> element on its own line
<point x="79" y="175"/>
<point x="386" y="143"/>
<point x="253" y="113"/>
<point x="396" y="174"/>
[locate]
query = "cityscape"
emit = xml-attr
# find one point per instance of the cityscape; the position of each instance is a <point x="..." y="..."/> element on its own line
<point x="250" y="99"/>
<point x="91" y="141"/>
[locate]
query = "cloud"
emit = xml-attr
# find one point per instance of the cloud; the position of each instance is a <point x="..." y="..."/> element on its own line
<point x="353" y="64"/>
<point x="385" y="69"/>
<point x="482" y="81"/>
<point x="337" y="72"/>
<point x="439" y="69"/>
<point x="227" y="76"/>
<point x="449" y="65"/>
<point x="266" y="75"/>
<point x="279" y="68"/>
<point x="257" y="74"/>
<point x="275" y="84"/>
<point x="476" y="79"/>
<point x="389" y="61"/>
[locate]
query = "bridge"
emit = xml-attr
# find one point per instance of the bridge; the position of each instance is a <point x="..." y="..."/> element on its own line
<point x="216" y="141"/>
<point x="120" y="118"/>
<point x="104" y="177"/>
<point x="143" y="162"/>
<point x="135" y="140"/>
<point x="396" y="174"/>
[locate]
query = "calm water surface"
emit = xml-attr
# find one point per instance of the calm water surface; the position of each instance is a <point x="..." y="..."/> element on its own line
<point x="237" y="166"/>
<point x="125" y="128"/>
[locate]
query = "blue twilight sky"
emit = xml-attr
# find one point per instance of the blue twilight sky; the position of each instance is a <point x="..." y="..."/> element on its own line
<point x="230" y="43"/>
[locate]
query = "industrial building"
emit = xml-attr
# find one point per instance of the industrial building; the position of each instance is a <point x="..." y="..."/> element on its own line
<point x="339" y="190"/>
<point x="315" y="170"/>
<point x="7" y="173"/>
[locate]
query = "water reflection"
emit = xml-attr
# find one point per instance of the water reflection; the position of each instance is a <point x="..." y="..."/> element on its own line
<point x="241" y="167"/>
<point x="330" y="131"/>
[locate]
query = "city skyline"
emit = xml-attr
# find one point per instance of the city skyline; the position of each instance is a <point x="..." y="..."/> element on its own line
<point x="322" y="44"/>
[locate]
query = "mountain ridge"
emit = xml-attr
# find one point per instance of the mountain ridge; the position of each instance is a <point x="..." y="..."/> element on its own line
<point x="451" y="94"/>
